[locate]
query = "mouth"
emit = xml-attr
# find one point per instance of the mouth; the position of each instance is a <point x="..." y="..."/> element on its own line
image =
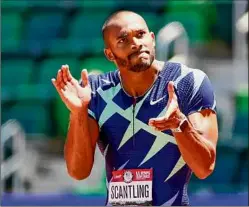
<point x="143" y="51"/>
<point x="138" y="53"/>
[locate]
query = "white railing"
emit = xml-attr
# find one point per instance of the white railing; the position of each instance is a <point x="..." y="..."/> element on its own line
<point x="13" y="164"/>
<point x="173" y="32"/>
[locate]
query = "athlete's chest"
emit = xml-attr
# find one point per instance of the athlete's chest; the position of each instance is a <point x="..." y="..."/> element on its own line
<point x="124" y="108"/>
<point x="124" y="121"/>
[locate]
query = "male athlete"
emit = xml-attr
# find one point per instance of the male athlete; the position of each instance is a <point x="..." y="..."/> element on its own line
<point x="155" y="122"/>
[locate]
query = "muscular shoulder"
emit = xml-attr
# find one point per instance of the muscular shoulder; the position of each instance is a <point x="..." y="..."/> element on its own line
<point x="189" y="79"/>
<point x="179" y="72"/>
<point x="103" y="80"/>
<point x="194" y="89"/>
<point x="99" y="83"/>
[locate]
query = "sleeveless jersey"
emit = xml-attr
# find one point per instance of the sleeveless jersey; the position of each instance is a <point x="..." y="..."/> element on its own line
<point x="128" y="142"/>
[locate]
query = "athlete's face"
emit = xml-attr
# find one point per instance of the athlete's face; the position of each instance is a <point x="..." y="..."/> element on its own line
<point x="130" y="44"/>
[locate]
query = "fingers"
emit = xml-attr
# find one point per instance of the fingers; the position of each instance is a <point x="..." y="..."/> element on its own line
<point x="161" y="125"/>
<point x="84" y="77"/>
<point x="59" y="79"/>
<point x="59" y="89"/>
<point x="64" y="70"/>
<point x="64" y="92"/>
<point x="172" y="104"/>
<point x="171" y="108"/>
<point x="161" y="128"/>
<point x="66" y="88"/>
<point x="171" y="90"/>
<point x="64" y="76"/>
<point x="67" y="77"/>
<point x="70" y="87"/>
<point x="167" y="122"/>
<point x="164" y="124"/>
<point x="164" y="127"/>
<point x="157" y="120"/>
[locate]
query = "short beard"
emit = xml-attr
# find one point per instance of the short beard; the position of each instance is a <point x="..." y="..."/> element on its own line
<point x="139" y="67"/>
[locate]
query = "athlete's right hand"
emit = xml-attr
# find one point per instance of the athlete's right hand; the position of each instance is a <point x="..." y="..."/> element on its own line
<point x="75" y="96"/>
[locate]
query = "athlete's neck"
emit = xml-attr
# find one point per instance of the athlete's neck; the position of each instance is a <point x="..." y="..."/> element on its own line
<point x="138" y="83"/>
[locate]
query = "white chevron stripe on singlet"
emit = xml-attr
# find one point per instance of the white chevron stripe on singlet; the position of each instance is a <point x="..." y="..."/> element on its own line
<point x="184" y="71"/>
<point x="159" y="142"/>
<point x="171" y="201"/>
<point x="127" y="114"/>
<point x="198" y="79"/>
<point x="105" y="151"/>
<point x="161" y="139"/>
<point x="180" y="163"/>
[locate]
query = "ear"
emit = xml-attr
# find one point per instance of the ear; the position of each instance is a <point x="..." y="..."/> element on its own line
<point x="109" y="55"/>
<point x="153" y="37"/>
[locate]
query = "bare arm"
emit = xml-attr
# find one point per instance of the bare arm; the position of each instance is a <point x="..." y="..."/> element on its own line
<point x="198" y="139"/>
<point x="83" y="131"/>
<point x="197" y="142"/>
<point x="80" y="145"/>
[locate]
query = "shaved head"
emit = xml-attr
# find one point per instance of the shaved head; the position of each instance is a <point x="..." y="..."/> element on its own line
<point x="114" y="18"/>
<point x="128" y="41"/>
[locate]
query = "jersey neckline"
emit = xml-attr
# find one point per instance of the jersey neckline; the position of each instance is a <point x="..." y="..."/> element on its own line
<point x="148" y="90"/>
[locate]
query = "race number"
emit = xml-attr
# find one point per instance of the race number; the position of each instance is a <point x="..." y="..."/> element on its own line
<point x="131" y="187"/>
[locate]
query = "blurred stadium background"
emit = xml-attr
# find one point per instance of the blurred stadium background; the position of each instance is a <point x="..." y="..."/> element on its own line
<point x="37" y="37"/>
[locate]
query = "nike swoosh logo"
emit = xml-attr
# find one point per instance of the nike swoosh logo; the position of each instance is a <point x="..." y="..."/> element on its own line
<point x="158" y="100"/>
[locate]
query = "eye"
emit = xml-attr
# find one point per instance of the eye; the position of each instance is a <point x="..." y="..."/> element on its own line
<point x="121" y="40"/>
<point x="141" y="34"/>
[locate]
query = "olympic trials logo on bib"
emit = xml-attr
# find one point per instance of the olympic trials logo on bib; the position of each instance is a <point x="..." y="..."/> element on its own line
<point x="128" y="176"/>
<point x="131" y="187"/>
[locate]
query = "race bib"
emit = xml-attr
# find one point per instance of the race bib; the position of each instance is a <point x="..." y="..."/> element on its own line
<point x="131" y="187"/>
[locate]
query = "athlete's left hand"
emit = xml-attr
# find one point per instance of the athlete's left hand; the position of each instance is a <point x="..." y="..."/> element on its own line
<point x="173" y="115"/>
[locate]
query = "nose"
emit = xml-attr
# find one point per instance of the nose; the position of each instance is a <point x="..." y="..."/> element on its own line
<point x="136" y="44"/>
